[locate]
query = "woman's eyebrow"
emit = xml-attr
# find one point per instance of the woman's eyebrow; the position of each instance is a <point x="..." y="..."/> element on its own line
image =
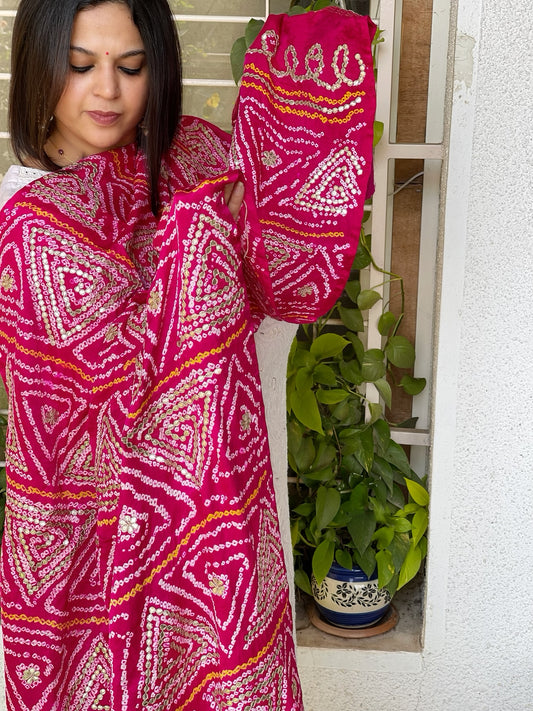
<point x="131" y="53"/>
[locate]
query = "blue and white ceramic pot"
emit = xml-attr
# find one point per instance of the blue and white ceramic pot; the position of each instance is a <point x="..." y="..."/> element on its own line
<point x="348" y="598"/>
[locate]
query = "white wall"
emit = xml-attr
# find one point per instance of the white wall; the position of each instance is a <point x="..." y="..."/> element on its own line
<point x="478" y="652"/>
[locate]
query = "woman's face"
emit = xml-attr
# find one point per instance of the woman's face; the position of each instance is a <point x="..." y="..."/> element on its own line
<point x="107" y="87"/>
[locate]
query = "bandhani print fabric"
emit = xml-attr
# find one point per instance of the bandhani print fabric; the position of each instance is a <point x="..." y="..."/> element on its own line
<point x="141" y="563"/>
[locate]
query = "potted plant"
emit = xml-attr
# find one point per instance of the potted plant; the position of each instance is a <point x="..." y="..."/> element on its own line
<point x="355" y="501"/>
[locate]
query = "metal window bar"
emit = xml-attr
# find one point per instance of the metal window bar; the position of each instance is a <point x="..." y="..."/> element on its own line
<point x="389" y="14"/>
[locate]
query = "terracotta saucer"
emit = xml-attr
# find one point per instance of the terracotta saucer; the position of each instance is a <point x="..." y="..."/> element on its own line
<point x="386" y="623"/>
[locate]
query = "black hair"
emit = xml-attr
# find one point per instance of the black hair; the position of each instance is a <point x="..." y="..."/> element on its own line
<point x="39" y="72"/>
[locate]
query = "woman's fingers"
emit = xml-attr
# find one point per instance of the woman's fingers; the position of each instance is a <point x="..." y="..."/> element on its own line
<point x="234" y="195"/>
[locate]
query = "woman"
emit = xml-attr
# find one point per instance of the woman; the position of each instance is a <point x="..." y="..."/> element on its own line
<point x="141" y="563"/>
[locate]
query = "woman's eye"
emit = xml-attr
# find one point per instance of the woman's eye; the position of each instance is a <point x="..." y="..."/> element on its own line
<point x="129" y="71"/>
<point x="80" y="70"/>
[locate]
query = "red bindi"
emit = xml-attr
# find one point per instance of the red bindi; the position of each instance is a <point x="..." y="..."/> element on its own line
<point x="107" y="52"/>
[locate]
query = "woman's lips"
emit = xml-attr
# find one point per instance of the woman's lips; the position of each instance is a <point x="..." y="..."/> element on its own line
<point x="104" y="118"/>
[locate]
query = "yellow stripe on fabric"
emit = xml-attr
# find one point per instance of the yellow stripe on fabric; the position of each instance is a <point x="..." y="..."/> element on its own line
<point x="51" y="494"/>
<point x="136" y="179"/>
<point x="300" y="92"/>
<point x="174" y="554"/>
<point x="68" y="228"/>
<point x="297" y="112"/>
<point x="303" y="233"/>
<point x="52" y="623"/>
<point x="116" y="381"/>
<point x="99" y="388"/>
<point x="192" y="361"/>
<point x="208" y="181"/>
<point x="107" y="521"/>
<point x="237" y="670"/>
<point x="43" y="356"/>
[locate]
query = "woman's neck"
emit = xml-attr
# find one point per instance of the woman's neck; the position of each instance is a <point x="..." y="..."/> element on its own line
<point x="57" y="154"/>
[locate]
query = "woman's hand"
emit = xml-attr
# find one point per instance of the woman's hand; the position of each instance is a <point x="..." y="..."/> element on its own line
<point x="234" y="195"/>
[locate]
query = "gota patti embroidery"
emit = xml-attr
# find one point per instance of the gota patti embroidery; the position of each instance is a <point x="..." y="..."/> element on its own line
<point x="142" y="566"/>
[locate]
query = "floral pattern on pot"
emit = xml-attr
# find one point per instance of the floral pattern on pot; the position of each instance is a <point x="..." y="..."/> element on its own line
<point x="347" y="598"/>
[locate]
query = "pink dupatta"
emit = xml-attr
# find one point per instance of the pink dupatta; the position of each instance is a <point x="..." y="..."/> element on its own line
<point x="141" y="563"/>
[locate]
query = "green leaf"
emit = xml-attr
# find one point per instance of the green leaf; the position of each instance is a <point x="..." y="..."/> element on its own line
<point x="350" y="371"/>
<point x="302" y="359"/>
<point x="305" y="455"/>
<point x="383" y="537"/>
<point x="237" y="53"/>
<point x="344" y="558"/>
<point x="301" y="580"/>
<point x="366" y="561"/>
<point x="420" y="525"/>
<point x="253" y="28"/>
<point x="411" y="508"/>
<point x="348" y="412"/>
<point x="358" y="346"/>
<point x="385" y="390"/>
<point x="305" y="409"/>
<point x="352" y="319"/>
<point x="378" y="132"/>
<point x="385" y="567"/>
<point x="417" y="491"/>
<point x="294" y="436"/>
<point x="363" y="448"/>
<point x="305" y="509"/>
<point x="411" y="565"/>
<point x="326" y="474"/>
<point x="367" y="298"/>
<point x="362" y="258"/>
<point x="299" y="6"/>
<point x="324" y="375"/>
<point x="395" y="455"/>
<point x="383" y="469"/>
<point x="373" y="366"/>
<point x="386" y="322"/>
<point x="398" y="547"/>
<point x="382" y="432"/>
<point x="341" y="520"/>
<point x="322" y="560"/>
<point x="380" y="493"/>
<point x="328" y="501"/>
<point x="402" y="525"/>
<point x="361" y="529"/>
<point x="331" y="397"/>
<point x="376" y="411"/>
<point x="409" y="423"/>
<point x="396" y="496"/>
<point x="319" y="4"/>
<point x="295" y="532"/>
<point x="359" y="497"/>
<point x="328" y="345"/>
<point x="326" y="454"/>
<point x="353" y="289"/>
<point x="303" y="379"/>
<point x="412" y="386"/>
<point x="400" y="352"/>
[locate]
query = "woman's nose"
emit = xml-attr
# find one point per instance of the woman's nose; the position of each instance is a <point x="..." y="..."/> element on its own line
<point x="106" y="83"/>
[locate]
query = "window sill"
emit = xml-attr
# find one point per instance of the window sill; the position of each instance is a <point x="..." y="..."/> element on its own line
<point x="397" y="650"/>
